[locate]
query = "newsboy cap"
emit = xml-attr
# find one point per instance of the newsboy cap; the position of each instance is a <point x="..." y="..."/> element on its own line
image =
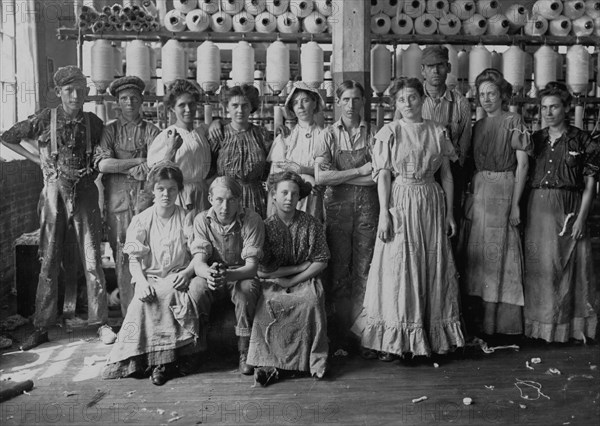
<point x="124" y="83"/>
<point x="434" y="55"/>
<point x="67" y="75"/>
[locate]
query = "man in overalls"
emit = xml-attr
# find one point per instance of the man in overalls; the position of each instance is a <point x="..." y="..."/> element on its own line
<point x="121" y="157"/>
<point x="66" y="139"/>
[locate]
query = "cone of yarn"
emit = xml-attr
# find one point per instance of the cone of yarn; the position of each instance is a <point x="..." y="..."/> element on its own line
<point x="185" y="6"/>
<point x="498" y="25"/>
<point x="402" y="24"/>
<point x="578" y="68"/>
<point x="278" y="66"/>
<point x="376" y="7"/>
<point x="243" y="22"/>
<point x="208" y="109"/>
<point x="414" y="8"/>
<point x="242" y="64"/>
<point x="265" y="22"/>
<point x="197" y="20"/>
<point x="517" y="17"/>
<point x="232" y="7"/>
<point x="425" y="24"/>
<point x="328" y="84"/>
<point x="573" y="9"/>
<point x="254" y="7"/>
<point x="544" y="66"/>
<point x="549" y="9"/>
<point x="560" y="66"/>
<point x="536" y="25"/>
<point x="221" y="22"/>
<point x="301" y="8"/>
<point x="411" y="61"/>
<point x="592" y="8"/>
<point x="583" y="27"/>
<point x="277" y="7"/>
<point x="324" y="7"/>
<point x="173" y="62"/>
<point x="398" y="62"/>
<point x="315" y="23"/>
<point x="153" y="56"/>
<point x="476" y="25"/>
<point x="452" y="77"/>
<point x="175" y="21"/>
<point x="150" y="8"/>
<point x="391" y="7"/>
<point x="437" y="8"/>
<point x="497" y="61"/>
<point x="381" y="23"/>
<point x="479" y="59"/>
<point x="102" y="64"/>
<point x="463" y="71"/>
<point x="259" y="82"/>
<point x="488" y="8"/>
<point x="86" y="66"/>
<point x="463" y="9"/>
<point x="449" y="24"/>
<point x="288" y="23"/>
<point x="209" y="6"/>
<point x="513" y="67"/>
<point x="312" y="64"/>
<point x="208" y="66"/>
<point x="138" y="60"/>
<point x="560" y="26"/>
<point x="381" y="68"/>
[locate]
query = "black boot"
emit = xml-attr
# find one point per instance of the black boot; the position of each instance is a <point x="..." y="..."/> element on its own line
<point x="243" y="345"/>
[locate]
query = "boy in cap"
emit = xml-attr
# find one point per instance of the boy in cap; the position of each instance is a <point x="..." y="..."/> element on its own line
<point x="66" y="139"/>
<point x="121" y="157"/>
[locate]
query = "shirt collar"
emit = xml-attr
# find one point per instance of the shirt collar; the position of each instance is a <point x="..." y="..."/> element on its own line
<point x="447" y="95"/>
<point x="340" y="124"/>
<point x="123" y="122"/>
<point x="63" y="115"/>
<point x="569" y="133"/>
<point x="239" y="217"/>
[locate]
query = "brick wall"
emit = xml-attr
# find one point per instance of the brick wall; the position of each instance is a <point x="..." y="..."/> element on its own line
<point x="20" y="186"/>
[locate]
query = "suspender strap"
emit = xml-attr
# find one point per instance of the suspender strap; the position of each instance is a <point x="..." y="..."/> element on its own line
<point x="88" y="137"/>
<point x="53" y="137"/>
<point x="451" y="112"/>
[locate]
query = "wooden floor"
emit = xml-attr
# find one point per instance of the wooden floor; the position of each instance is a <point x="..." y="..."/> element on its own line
<point x="68" y="390"/>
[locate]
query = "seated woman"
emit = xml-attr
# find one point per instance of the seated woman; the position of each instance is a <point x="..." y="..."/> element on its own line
<point x="290" y="328"/>
<point x="162" y="323"/>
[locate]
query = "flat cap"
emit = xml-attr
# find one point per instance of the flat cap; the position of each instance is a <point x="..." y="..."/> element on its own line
<point x="434" y="55"/>
<point x="302" y="86"/>
<point x="67" y="75"/>
<point x="124" y="83"/>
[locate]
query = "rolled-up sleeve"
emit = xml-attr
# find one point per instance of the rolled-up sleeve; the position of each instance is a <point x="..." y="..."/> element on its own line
<point x="253" y="236"/>
<point x="136" y="240"/>
<point x="106" y="149"/>
<point x="157" y="149"/>
<point x="323" y="149"/>
<point x="200" y="243"/>
<point x="382" y="151"/>
<point x="26" y="129"/>
<point x="520" y="136"/>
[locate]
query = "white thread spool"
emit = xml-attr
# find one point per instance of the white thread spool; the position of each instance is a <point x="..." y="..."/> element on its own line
<point x="86" y="66"/>
<point x="513" y="68"/>
<point x="414" y="8"/>
<point x="259" y="82"/>
<point x="232" y="7"/>
<point x="278" y="117"/>
<point x="243" y="22"/>
<point x="391" y="7"/>
<point x="175" y="21"/>
<point x="574" y="9"/>
<point x="592" y="8"/>
<point x="138" y="60"/>
<point x="517" y="17"/>
<point x="549" y="9"/>
<point x="255" y="7"/>
<point x="583" y="26"/>
<point x="402" y="24"/>
<point x="463" y="9"/>
<point x="277" y="7"/>
<point x="328" y="84"/>
<point x="488" y="8"/>
<point x="324" y="7"/>
<point x="381" y="23"/>
<point x="312" y="64"/>
<point x="242" y="64"/>
<point x="578" y="118"/>
<point x="197" y="20"/>
<point x="452" y="77"/>
<point x="476" y="25"/>
<point x="103" y="64"/>
<point x="381" y="68"/>
<point x="208" y="6"/>
<point x="265" y="22"/>
<point x="578" y="68"/>
<point x="185" y="6"/>
<point x="545" y="66"/>
<point x="463" y="71"/>
<point x="150" y="8"/>
<point x="425" y="24"/>
<point x="449" y="24"/>
<point x="437" y="8"/>
<point x="288" y="23"/>
<point x="497" y="60"/>
<point x="376" y="7"/>
<point x="301" y="8"/>
<point x="153" y="54"/>
<point x="479" y="59"/>
<point x="173" y="62"/>
<point x="560" y="26"/>
<point x="398" y="62"/>
<point x="498" y="25"/>
<point x="208" y="111"/>
<point x="411" y="61"/>
<point x="221" y="22"/>
<point x="315" y="23"/>
<point x="536" y="25"/>
<point x="278" y="66"/>
<point x="161" y="5"/>
<point x="208" y="73"/>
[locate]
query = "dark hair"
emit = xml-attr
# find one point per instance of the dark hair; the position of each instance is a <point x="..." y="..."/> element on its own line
<point x="406" y="83"/>
<point x="347" y="85"/>
<point x="178" y="88"/>
<point x="275" y="179"/>
<point x="554" y="88"/>
<point x="495" y="77"/>
<point x="165" y="170"/>
<point x="229" y="183"/>
<point x="245" y="90"/>
<point x="289" y="106"/>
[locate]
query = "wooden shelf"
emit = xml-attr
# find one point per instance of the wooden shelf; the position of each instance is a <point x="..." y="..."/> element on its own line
<point x="508" y="39"/>
<point x="189" y="36"/>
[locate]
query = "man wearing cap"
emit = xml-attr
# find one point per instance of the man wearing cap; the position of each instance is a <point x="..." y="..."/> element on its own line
<point x="121" y="157"/>
<point x="66" y="139"/>
<point x="449" y="108"/>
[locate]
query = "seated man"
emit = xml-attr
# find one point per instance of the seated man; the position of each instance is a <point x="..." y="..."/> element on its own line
<point x="227" y="245"/>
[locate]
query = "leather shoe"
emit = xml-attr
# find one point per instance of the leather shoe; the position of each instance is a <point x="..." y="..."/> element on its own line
<point x="36" y="338"/>
<point x="159" y="375"/>
<point x="386" y="357"/>
<point x="366" y="353"/>
<point x="265" y="375"/>
<point x="245" y="369"/>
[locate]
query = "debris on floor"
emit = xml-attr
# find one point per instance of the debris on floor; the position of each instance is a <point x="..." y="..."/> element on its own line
<point x="340" y="352"/>
<point x="520" y="384"/>
<point x="417" y="400"/>
<point x="467" y="401"/>
<point x="553" y="371"/>
<point x="536" y="360"/>
<point x="489" y="387"/>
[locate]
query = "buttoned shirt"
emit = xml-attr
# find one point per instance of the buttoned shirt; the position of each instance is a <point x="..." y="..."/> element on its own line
<point x="341" y="150"/>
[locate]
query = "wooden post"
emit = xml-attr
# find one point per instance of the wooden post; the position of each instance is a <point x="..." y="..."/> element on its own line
<point x="351" y="46"/>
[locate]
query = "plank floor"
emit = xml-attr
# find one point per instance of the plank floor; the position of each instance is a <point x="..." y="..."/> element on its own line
<point x="69" y="391"/>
